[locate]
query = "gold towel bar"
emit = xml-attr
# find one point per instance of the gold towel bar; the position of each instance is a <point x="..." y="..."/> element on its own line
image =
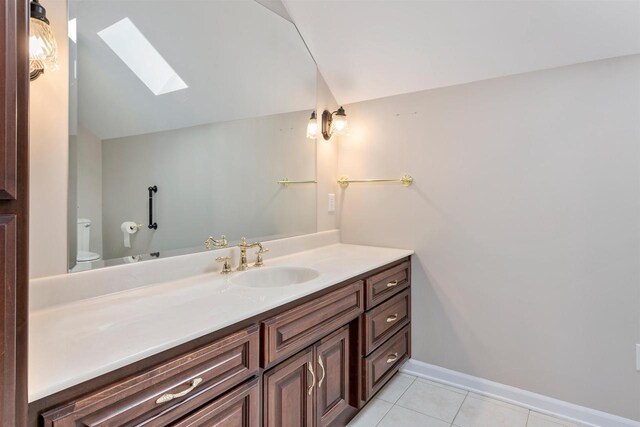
<point x="405" y="180"/>
<point x="286" y="182"/>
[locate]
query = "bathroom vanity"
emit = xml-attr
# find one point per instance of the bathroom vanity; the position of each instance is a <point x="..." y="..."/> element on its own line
<point x="311" y="353"/>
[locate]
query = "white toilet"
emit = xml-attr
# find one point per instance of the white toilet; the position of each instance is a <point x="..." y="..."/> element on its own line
<point x="84" y="235"/>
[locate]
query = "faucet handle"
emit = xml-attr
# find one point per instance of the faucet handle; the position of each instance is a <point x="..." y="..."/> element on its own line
<point x="212" y="242"/>
<point x="226" y="267"/>
<point x="259" y="261"/>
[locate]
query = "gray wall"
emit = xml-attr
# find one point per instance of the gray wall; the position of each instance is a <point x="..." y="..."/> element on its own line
<point x="212" y="179"/>
<point x="72" y="209"/>
<point x="327" y="160"/>
<point x="89" y="184"/>
<point x="525" y="218"/>
<point x="49" y="158"/>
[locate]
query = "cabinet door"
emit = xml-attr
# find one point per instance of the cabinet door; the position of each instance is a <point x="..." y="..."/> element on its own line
<point x="289" y="392"/>
<point x="332" y="361"/>
<point x="238" y="408"/>
<point x="14" y="210"/>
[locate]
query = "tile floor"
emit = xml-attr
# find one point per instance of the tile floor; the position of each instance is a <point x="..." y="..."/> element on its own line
<point x="407" y="401"/>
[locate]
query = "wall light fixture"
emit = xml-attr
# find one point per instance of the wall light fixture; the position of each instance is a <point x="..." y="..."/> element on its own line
<point x="335" y="122"/>
<point x="43" y="49"/>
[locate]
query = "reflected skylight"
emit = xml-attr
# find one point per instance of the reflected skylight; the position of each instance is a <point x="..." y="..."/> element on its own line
<point x="133" y="48"/>
<point x="73" y="34"/>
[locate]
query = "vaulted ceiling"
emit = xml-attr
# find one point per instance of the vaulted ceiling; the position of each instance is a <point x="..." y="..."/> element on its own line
<point x="238" y="59"/>
<point x="241" y="59"/>
<point x="373" y="49"/>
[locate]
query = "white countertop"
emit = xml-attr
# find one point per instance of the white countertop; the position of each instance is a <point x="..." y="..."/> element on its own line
<point x="72" y="343"/>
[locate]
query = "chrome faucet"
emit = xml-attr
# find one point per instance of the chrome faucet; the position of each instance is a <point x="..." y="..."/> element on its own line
<point x="243" y="254"/>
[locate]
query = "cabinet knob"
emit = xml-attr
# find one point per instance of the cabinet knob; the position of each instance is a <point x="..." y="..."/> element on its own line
<point x="392" y="318"/>
<point x="392" y="284"/>
<point x="392" y="357"/>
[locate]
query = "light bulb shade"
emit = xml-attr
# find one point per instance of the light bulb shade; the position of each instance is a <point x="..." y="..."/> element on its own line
<point x="312" y="129"/>
<point x="339" y="122"/>
<point x="43" y="49"/>
<point x="339" y="125"/>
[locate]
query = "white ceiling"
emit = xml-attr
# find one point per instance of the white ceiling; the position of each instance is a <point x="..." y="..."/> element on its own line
<point x="373" y="49"/>
<point x="276" y="6"/>
<point x="238" y="58"/>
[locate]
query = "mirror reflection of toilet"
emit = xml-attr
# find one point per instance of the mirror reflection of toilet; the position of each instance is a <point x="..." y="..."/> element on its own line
<point x="84" y="236"/>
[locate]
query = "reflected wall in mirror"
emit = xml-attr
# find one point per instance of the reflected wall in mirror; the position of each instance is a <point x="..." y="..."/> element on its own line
<point x="208" y="101"/>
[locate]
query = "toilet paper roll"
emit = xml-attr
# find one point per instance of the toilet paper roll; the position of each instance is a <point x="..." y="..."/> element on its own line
<point x="128" y="228"/>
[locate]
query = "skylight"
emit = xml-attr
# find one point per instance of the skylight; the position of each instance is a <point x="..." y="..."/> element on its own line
<point x="72" y="30"/>
<point x="141" y="57"/>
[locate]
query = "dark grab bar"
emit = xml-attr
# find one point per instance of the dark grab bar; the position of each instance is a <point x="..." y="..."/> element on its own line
<point x="152" y="225"/>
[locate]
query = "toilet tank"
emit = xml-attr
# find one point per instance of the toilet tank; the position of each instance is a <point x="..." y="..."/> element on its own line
<point x="84" y="234"/>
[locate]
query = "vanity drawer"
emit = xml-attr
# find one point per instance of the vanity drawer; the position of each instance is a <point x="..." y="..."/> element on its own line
<point x="387" y="283"/>
<point x="385" y="320"/>
<point x="169" y="391"/>
<point x="238" y="408"/>
<point x="380" y="365"/>
<point x="295" y="329"/>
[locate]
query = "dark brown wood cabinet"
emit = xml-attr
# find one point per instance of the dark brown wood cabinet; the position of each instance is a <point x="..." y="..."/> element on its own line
<point x="14" y="210"/>
<point x="238" y="408"/>
<point x="169" y="391"/>
<point x="386" y="283"/>
<point x="383" y="363"/>
<point x="313" y="385"/>
<point x="289" y="392"/>
<point x="333" y="362"/>
<point x="386" y="330"/>
<point x="385" y="320"/>
<point x="311" y="363"/>
<point x="294" y="329"/>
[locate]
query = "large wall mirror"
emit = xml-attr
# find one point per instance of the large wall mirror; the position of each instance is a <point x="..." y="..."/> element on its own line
<point x="189" y="112"/>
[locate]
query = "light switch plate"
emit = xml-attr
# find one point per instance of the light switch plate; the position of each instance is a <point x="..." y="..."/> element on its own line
<point x="637" y="357"/>
<point x="331" y="202"/>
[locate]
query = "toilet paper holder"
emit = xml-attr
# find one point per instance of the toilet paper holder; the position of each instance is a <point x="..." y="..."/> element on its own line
<point x="128" y="228"/>
<point x="134" y="226"/>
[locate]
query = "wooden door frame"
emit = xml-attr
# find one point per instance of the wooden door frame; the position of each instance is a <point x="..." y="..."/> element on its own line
<point x="14" y="210"/>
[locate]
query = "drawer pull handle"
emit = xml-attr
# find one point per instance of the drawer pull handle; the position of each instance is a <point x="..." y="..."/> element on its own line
<point x="169" y="396"/>
<point x="392" y="357"/>
<point x="392" y="284"/>
<point x="392" y="318"/>
<point x="323" y="372"/>
<point x="313" y="377"/>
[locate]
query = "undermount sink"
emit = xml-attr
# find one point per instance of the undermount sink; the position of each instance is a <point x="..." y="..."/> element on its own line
<point x="275" y="277"/>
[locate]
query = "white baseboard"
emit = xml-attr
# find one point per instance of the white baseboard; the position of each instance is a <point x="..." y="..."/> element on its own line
<point x="540" y="403"/>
